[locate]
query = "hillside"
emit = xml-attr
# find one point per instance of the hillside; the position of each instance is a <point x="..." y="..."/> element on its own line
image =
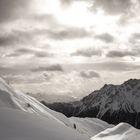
<point x="23" y="118"/>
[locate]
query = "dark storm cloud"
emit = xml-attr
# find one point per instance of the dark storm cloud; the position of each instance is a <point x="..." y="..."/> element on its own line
<point x="113" y="7"/>
<point x="56" y="67"/>
<point x="26" y="51"/>
<point x="89" y="74"/>
<point x="116" y="53"/>
<point x="105" y="37"/>
<point x="12" y="9"/>
<point x="87" y="52"/>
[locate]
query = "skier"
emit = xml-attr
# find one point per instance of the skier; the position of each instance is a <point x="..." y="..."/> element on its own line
<point x="74" y="126"/>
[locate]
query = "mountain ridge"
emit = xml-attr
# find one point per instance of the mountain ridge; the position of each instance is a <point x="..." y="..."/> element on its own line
<point x="112" y="103"/>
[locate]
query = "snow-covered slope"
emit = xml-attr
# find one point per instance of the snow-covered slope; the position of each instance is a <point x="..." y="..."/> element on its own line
<point x="122" y="131"/>
<point x="19" y="125"/>
<point x="90" y="126"/>
<point x="12" y="98"/>
<point x="23" y="117"/>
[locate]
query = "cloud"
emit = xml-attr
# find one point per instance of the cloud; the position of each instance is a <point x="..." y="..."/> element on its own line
<point x="42" y="54"/>
<point x="116" y="66"/>
<point x="135" y="37"/>
<point x="87" y="52"/>
<point x="56" y="67"/>
<point x="105" y="37"/>
<point x="113" y="7"/>
<point x="49" y="20"/>
<point x="106" y="66"/>
<point x="29" y="37"/>
<point x="89" y="74"/>
<point x="24" y="79"/>
<point x="15" y="37"/>
<point x="12" y="9"/>
<point x="65" y="33"/>
<point x="27" y="51"/>
<point x="13" y="70"/>
<point x="41" y="17"/>
<point x="48" y="76"/>
<point x="116" y="53"/>
<point x="66" y="2"/>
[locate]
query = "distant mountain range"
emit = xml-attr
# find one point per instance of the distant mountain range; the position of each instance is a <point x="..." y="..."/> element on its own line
<point x="51" y="98"/>
<point x="112" y="103"/>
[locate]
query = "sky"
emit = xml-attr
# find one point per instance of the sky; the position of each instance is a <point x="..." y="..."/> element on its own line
<point x="69" y="47"/>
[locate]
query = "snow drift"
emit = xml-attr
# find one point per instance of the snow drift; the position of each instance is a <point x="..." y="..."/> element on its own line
<point x="122" y="131"/>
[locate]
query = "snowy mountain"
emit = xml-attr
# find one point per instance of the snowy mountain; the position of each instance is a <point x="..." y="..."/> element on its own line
<point x="23" y="118"/>
<point x="112" y="103"/>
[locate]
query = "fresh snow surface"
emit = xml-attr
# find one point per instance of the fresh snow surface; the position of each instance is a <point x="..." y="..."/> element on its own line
<point x="122" y="131"/>
<point x="90" y="126"/>
<point x="20" y="125"/>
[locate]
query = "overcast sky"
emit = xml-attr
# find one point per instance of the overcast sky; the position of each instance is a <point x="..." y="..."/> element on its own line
<point x="69" y="46"/>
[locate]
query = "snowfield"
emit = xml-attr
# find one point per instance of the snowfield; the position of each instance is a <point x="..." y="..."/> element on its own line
<point x="19" y="125"/>
<point x="90" y="126"/>
<point x="122" y="131"/>
<point x="24" y="118"/>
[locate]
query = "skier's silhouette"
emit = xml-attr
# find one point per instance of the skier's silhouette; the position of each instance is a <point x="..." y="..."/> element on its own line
<point x="74" y="126"/>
